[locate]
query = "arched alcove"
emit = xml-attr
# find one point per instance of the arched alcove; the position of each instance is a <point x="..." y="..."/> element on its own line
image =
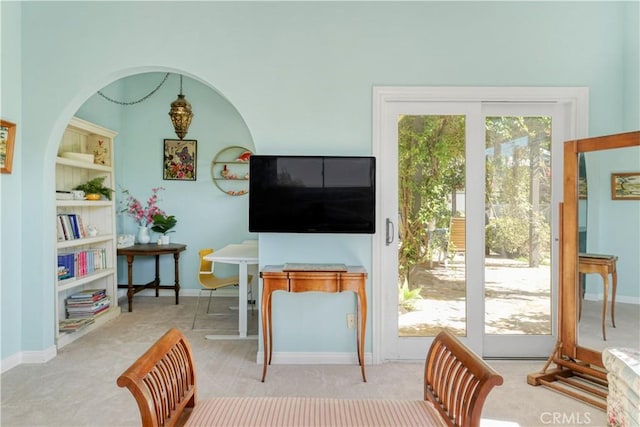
<point x="136" y="106"/>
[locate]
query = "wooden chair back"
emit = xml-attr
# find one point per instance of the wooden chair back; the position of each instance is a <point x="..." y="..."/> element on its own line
<point x="457" y="381"/>
<point x="163" y="380"/>
<point x="457" y="235"/>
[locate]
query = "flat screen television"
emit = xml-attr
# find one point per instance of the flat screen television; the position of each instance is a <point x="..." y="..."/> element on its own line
<point x="312" y="194"/>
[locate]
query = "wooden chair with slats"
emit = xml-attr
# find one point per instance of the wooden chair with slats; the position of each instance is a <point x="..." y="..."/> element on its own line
<point x="457" y="236"/>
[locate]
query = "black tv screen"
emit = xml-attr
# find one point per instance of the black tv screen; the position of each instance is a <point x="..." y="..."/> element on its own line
<point x="312" y="194"/>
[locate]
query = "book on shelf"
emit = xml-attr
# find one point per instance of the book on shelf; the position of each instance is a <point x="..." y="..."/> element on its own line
<point x="70" y="227"/>
<point x="66" y="266"/>
<point x="89" y="294"/>
<point x="82" y="262"/>
<point x="64" y="195"/>
<point x="61" y="235"/>
<point x="87" y="304"/>
<point x="72" y="325"/>
<point x="64" y="275"/>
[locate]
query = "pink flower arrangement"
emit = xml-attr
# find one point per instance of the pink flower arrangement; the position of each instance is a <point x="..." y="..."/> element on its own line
<point x="142" y="215"/>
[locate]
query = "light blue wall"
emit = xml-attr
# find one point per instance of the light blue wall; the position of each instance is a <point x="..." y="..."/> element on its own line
<point x="613" y="226"/>
<point x="11" y="185"/>
<point x="300" y="76"/>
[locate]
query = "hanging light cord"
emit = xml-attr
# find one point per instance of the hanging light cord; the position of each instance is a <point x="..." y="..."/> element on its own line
<point x="144" y="97"/>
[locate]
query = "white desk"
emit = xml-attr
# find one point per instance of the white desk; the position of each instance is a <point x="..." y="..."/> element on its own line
<point x="243" y="254"/>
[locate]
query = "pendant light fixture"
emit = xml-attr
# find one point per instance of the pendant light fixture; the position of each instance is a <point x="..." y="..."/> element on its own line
<point x="181" y="114"/>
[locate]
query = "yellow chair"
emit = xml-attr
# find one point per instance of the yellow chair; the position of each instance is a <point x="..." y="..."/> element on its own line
<point x="210" y="282"/>
<point x="457" y="237"/>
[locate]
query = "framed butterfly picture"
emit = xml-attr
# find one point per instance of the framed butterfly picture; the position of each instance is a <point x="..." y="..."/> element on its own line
<point x="179" y="161"/>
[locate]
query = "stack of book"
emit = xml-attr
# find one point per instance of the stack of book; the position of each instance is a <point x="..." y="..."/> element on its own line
<point x="87" y="304"/>
<point x="72" y="325"/>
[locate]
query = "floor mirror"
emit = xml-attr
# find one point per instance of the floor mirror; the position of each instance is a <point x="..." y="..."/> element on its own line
<point x="599" y="275"/>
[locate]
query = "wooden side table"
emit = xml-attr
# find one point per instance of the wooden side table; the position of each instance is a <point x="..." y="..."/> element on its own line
<point x="602" y="265"/>
<point x="151" y="250"/>
<point x="274" y="278"/>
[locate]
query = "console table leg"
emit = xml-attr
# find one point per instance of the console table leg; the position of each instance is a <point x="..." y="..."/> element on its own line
<point x="130" y="282"/>
<point x="362" y="325"/>
<point x="265" y="326"/>
<point x="157" y="280"/>
<point x="614" y="285"/>
<point x="176" y="266"/>
<point x="605" y="297"/>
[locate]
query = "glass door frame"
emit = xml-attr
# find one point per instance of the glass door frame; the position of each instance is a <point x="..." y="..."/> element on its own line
<point x="389" y="100"/>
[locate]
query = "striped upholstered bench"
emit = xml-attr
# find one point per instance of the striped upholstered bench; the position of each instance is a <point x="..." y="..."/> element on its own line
<point x="163" y="382"/>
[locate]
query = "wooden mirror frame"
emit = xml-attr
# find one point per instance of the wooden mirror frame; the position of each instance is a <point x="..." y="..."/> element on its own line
<point x="568" y="316"/>
<point x="571" y="359"/>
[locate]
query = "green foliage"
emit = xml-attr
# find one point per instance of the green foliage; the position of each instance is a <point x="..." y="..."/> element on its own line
<point x="95" y="186"/>
<point x="507" y="236"/>
<point x="163" y="224"/>
<point x="408" y="298"/>
<point x="511" y="234"/>
<point x="518" y="186"/>
<point x="430" y="169"/>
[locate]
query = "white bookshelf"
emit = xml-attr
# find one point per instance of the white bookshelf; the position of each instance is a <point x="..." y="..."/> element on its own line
<point x="85" y="138"/>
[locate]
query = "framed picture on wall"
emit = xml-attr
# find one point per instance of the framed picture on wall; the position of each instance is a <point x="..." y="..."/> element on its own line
<point x="179" y="159"/>
<point x="625" y="186"/>
<point x="7" y="142"/>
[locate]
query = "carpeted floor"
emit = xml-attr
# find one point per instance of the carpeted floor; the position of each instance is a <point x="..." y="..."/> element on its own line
<point x="78" y="387"/>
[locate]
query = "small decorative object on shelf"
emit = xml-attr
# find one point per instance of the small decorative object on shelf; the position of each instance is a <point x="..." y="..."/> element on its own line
<point x="230" y="170"/>
<point x="244" y="157"/>
<point x="94" y="188"/>
<point x="100" y="153"/>
<point x="92" y="231"/>
<point x="125" y="240"/>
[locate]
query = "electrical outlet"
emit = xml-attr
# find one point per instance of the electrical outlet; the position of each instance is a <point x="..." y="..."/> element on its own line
<point x="351" y="320"/>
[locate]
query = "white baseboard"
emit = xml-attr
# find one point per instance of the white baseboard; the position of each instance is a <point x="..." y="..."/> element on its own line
<point x="227" y="291"/>
<point x="28" y="357"/>
<point x="619" y="298"/>
<point x="302" y="358"/>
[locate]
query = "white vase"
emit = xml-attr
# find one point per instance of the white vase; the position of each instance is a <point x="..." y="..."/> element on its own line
<point x="165" y="239"/>
<point x="143" y="235"/>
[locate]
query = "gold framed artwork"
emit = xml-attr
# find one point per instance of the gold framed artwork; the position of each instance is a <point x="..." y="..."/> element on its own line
<point x="7" y="144"/>
<point x="582" y="188"/>
<point x="179" y="159"/>
<point x="625" y="186"/>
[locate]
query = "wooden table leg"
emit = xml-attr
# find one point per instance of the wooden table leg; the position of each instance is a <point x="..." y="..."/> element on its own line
<point x="362" y="325"/>
<point x="605" y="283"/>
<point x="176" y="266"/>
<point x="157" y="279"/>
<point x="130" y="281"/>
<point x="266" y="325"/>
<point x="614" y="285"/>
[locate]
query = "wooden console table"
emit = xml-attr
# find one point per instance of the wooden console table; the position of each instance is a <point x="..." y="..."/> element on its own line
<point x="274" y="278"/>
<point x="151" y="250"/>
<point x="602" y="265"/>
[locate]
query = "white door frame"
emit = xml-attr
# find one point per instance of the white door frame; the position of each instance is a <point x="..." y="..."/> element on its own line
<point x="386" y="98"/>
